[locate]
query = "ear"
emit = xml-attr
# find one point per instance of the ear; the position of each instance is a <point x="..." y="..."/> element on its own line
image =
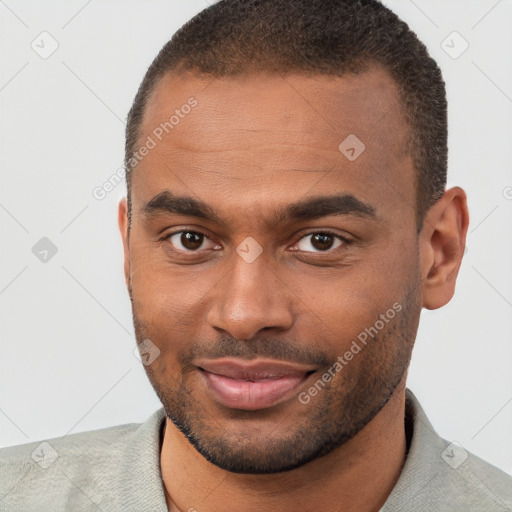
<point x="122" y="220"/>
<point x="442" y="242"/>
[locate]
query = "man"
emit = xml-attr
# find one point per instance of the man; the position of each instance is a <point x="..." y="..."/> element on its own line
<point x="285" y="223"/>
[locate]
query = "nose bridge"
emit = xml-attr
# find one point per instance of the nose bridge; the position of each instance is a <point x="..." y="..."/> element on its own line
<point x="250" y="297"/>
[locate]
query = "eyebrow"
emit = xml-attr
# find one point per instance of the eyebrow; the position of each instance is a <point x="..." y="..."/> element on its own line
<point x="306" y="209"/>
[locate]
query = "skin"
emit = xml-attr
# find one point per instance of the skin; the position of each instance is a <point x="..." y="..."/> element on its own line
<point x="253" y="144"/>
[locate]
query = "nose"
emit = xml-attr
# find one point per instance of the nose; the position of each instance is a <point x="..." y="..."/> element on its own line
<point x="251" y="297"/>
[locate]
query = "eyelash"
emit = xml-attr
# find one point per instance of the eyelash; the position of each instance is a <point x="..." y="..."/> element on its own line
<point x="345" y="241"/>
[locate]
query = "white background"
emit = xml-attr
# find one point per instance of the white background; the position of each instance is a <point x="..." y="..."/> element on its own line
<point x="67" y="362"/>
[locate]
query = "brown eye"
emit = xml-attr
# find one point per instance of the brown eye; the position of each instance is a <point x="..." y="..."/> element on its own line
<point x="320" y="242"/>
<point x="186" y="240"/>
<point x="191" y="241"/>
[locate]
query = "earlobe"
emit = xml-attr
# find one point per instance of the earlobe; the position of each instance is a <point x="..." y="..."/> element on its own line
<point x="442" y="243"/>
<point x="122" y="219"/>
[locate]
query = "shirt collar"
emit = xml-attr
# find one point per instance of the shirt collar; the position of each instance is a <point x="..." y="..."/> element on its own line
<point x="140" y="479"/>
<point x="141" y="482"/>
<point x="423" y="462"/>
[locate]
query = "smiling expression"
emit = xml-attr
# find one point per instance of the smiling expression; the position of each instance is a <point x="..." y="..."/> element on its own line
<point x="254" y="236"/>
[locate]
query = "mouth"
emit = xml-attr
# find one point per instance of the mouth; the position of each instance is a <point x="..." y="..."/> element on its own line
<point x="252" y="386"/>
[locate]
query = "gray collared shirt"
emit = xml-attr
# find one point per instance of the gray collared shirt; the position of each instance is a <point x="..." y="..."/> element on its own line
<point x="118" y="469"/>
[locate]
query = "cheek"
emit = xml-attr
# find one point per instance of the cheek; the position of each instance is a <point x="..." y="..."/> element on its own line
<point x="341" y="311"/>
<point x="340" y="304"/>
<point x="167" y="298"/>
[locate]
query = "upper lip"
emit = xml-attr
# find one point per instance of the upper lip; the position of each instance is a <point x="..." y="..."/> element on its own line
<point x="260" y="369"/>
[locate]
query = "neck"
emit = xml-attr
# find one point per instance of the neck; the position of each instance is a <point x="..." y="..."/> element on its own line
<point x="357" y="476"/>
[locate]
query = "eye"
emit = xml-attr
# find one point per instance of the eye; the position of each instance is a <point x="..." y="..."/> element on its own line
<point x="189" y="241"/>
<point x="321" y="241"/>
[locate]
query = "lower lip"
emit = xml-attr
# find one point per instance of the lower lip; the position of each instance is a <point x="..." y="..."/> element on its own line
<point x="251" y="396"/>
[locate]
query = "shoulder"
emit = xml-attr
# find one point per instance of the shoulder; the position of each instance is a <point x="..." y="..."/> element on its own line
<point x="83" y="463"/>
<point x="486" y="482"/>
<point x="444" y="476"/>
<point x="468" y="481"/>
<point x="461" y="481"/>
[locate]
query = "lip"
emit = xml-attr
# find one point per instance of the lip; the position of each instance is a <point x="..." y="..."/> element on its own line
<point x="251" y="385"/>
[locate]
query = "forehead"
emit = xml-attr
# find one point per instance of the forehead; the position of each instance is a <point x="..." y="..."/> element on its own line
<point x="274" y="138"/>
<point x="319" y="104"/>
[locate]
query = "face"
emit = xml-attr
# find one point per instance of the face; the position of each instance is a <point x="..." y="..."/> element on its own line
<point x="255" y="237"/>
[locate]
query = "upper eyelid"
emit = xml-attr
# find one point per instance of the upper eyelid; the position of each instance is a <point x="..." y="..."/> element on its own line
<point x="197" y="231"/>
<point x="344" y="240"/>
<point x="328" y="232"/>
<point x="302" y="235"/>
<point x="184" y="230"/>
